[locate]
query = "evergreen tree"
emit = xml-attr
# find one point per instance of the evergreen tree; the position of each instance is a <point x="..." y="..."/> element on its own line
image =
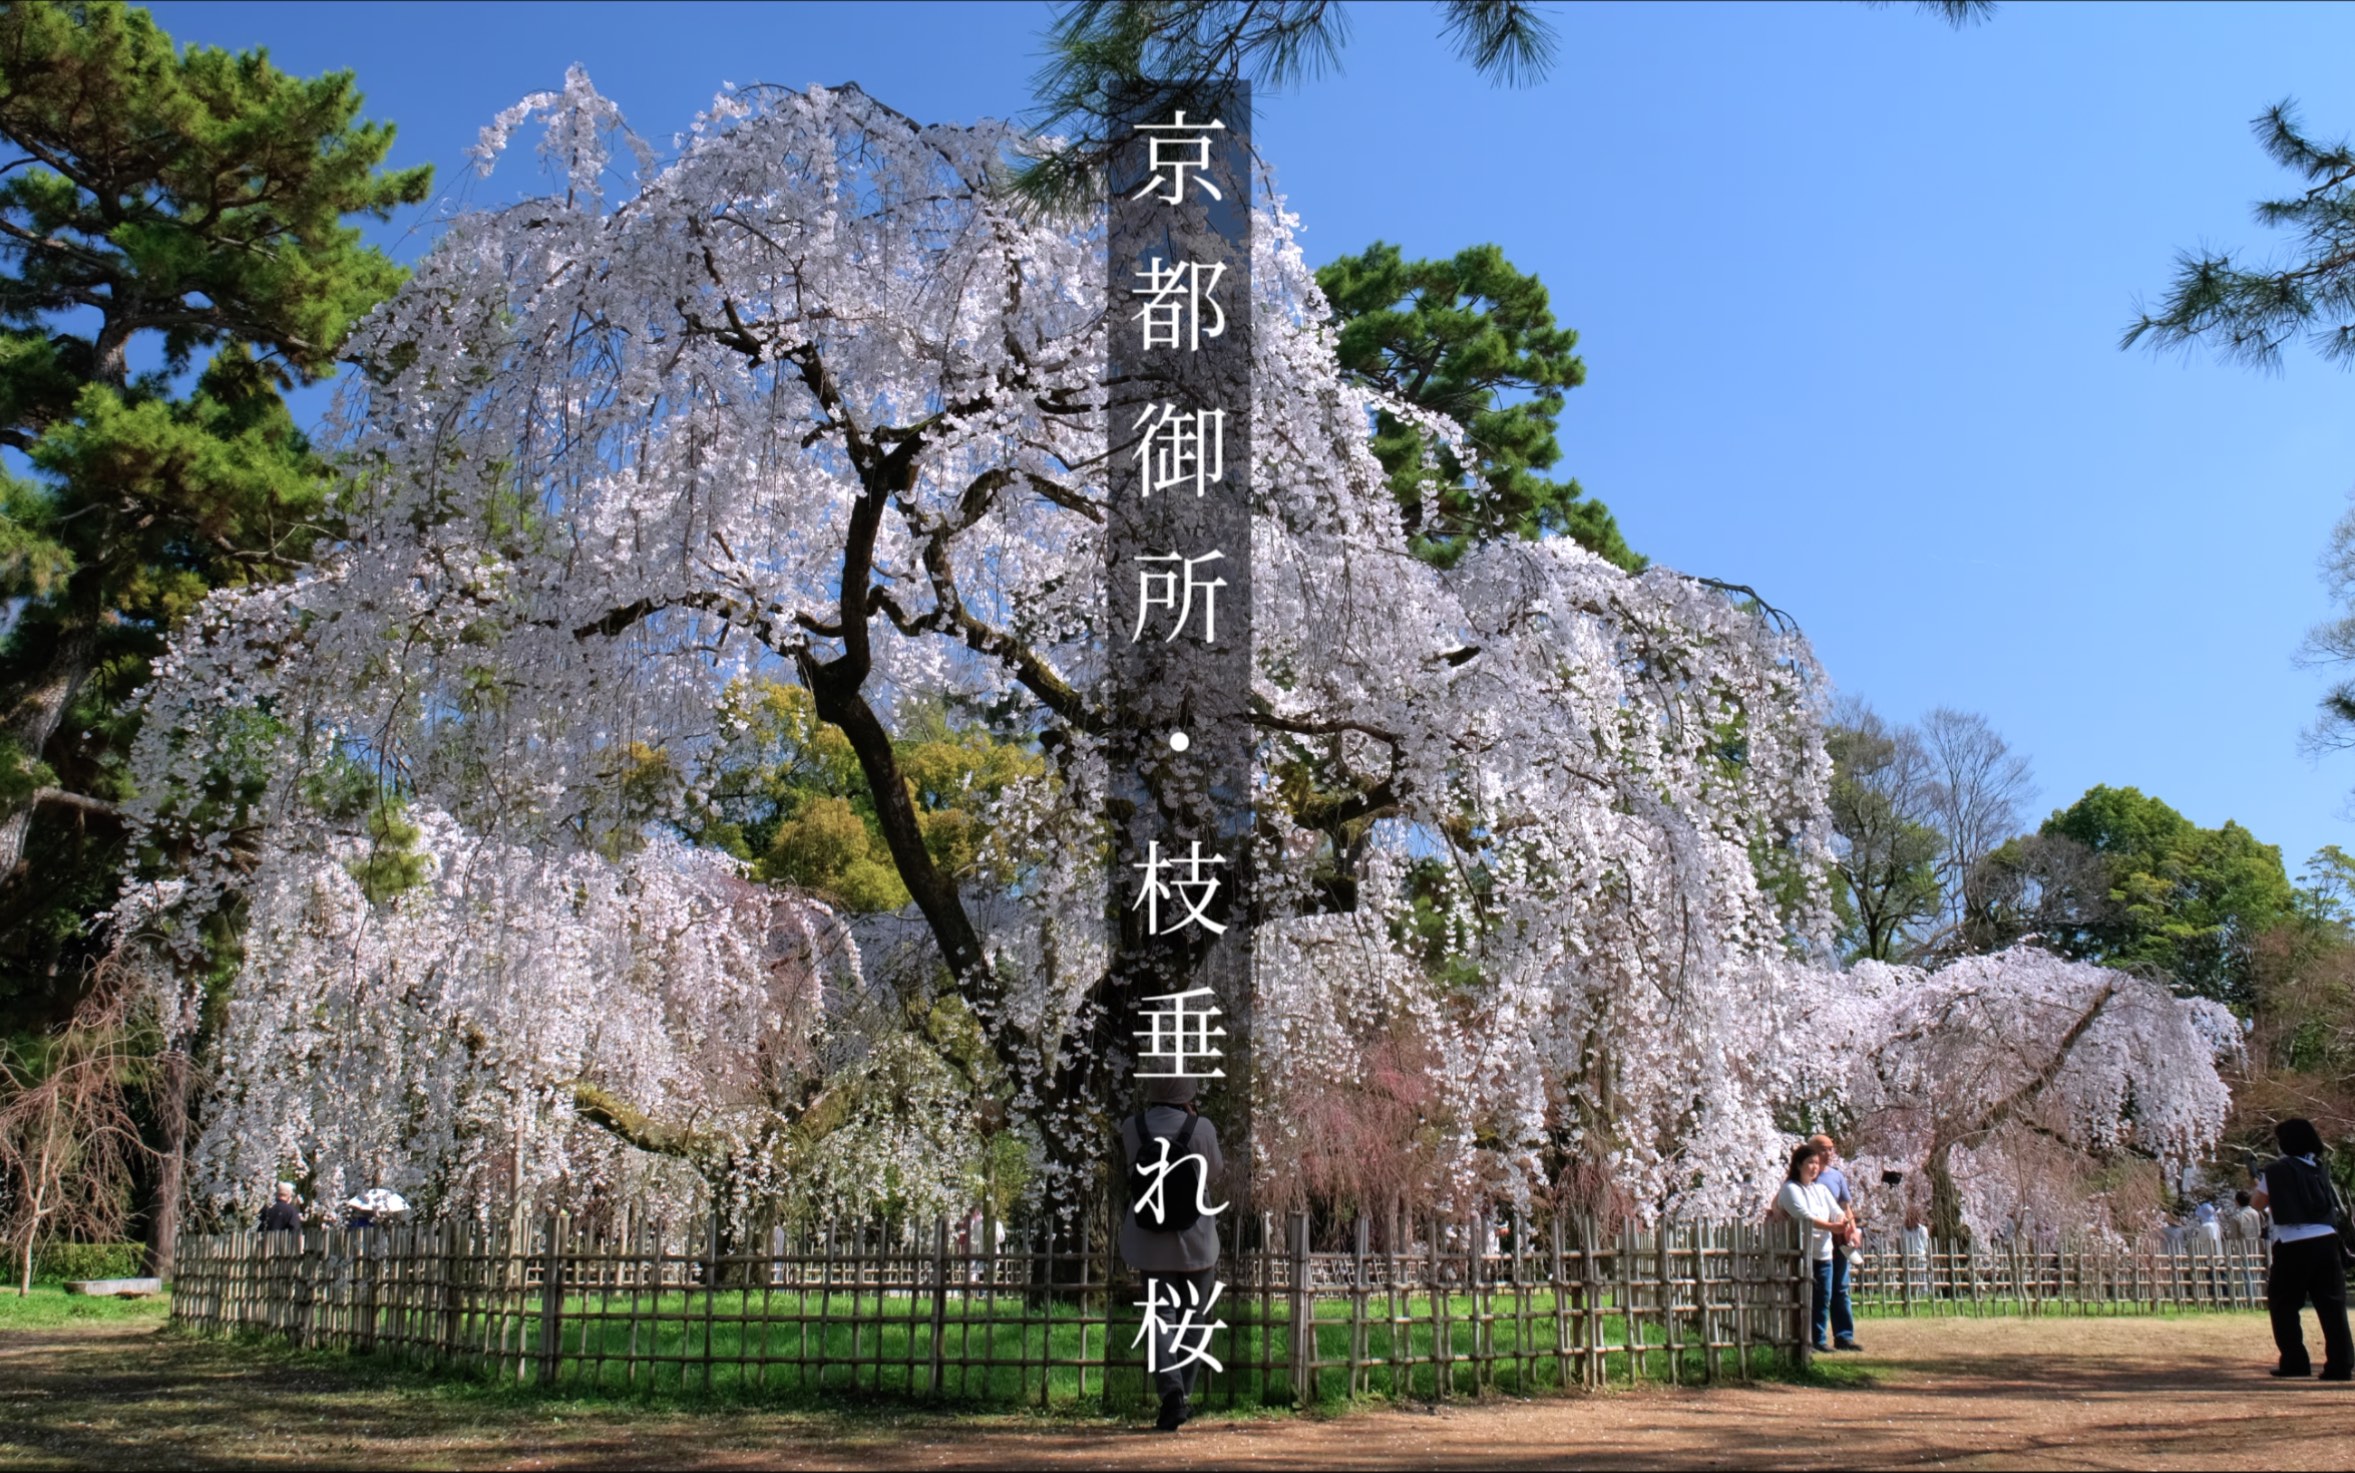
<point x="173" y="258"/>
<point x="1474" y="339"/>
<point x="1188" y="45"/>
<point x="2249" y="311"/>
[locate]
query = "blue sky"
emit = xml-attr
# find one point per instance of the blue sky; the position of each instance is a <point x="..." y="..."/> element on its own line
<point x="1849" y="286"/>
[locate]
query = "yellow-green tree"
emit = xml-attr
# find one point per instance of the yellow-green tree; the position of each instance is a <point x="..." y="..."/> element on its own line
<point x="793" y="800"/>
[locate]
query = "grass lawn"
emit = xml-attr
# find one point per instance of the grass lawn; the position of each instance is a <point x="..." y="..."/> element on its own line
<point x="49" y="1307"/>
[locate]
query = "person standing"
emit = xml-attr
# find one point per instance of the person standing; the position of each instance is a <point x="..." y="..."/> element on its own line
<point x="1170" y="1234"/>
<point x="1845" y="1242"/>
<point x="284" y="1214"/>
<point x="1916" y="1241"/>
<point x="2306" y="1255"/>
<point x="2244" y="1223"/>
<point x="1806" y="1201"/>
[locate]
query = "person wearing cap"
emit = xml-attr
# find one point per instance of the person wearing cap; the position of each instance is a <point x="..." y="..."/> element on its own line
<point x="1180" y="1268"/>
<point x="284" y="1214"/>
<point x="2306" y="1261"/>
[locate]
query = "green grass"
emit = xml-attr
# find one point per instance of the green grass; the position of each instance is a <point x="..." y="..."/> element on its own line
<point x="879" y="1348"/>
<point x="49" y="1306"/>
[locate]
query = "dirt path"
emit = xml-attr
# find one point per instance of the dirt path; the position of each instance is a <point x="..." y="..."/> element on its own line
<point x="2059" y="1393"/>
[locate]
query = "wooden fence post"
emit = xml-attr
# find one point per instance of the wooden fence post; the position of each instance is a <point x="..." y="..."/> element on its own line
<point x="940" y="1306"/>
<point x="1806" y="1325"/>
<point x="552" y="1300"/>
<point x="1302" y="1308"/>
<point x="1360" y="1342"/>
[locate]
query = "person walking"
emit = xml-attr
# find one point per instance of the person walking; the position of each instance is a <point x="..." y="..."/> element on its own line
<point x="284" y="1214"/>
<point x="1846" y="1243"/>
<point x="1806" y="1201"/>
<point x="1170" y="1234"/>
<point x="2307" y="1262"/>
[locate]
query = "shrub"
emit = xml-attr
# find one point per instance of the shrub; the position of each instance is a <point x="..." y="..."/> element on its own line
<point x="59" y="1262"/>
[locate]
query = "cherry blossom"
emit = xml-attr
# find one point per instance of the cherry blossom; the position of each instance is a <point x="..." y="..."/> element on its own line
<point x="815" y="395"/>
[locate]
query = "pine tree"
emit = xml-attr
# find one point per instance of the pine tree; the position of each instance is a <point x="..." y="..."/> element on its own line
<point x="173" y="258"/>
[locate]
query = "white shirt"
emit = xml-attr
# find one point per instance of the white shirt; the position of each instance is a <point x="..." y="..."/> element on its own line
<point x="1809" y="1204"/>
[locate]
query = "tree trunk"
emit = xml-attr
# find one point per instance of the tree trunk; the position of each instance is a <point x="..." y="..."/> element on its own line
<point x="34" y="722"/>
<point x="1946" y="1214"/>
<point x="38" y="1185"/>
<point x="163" y="1233"/>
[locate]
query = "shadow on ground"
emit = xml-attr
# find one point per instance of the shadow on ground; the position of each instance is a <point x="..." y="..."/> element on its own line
<point x="2069" y="1393"/>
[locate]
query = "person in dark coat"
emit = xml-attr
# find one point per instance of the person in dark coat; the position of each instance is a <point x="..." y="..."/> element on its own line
<point x="284" y="1214"/>
<point x="2307" y="1266"/>
<point x="1180" y="1268"/>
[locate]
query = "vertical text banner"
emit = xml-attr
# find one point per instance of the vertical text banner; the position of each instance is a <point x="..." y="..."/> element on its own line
<point x="1178" y="591"/>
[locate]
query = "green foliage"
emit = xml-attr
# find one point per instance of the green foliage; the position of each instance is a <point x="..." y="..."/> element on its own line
<point x="2327" y="896"/>
<point x="193" y="204"/>
<point x="57" y="1263"/>
<point x="1887" y="871"/>
<point x="792" y="798"/>
<point x="1474" y="339"/>
<point x="1442" y="924"/>
<point x="1190" y="46"/>
<point x="392" y="863"/>
<point x="2185" y="902"/>
<point x="2248" y="313"/>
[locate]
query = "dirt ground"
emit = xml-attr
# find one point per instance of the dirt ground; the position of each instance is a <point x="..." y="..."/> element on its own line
<point x="2057" y="1393"/>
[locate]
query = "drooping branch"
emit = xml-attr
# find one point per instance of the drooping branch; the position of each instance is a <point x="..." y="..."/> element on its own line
<point x="608" y="1111"/>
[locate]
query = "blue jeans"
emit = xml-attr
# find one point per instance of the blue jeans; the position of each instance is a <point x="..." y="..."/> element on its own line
<point x="1831" y="1299"/>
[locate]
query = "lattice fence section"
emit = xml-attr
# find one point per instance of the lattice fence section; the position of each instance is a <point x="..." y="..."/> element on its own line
<point x="1424" y="1308"/>
<point x="2023" y="1278"/>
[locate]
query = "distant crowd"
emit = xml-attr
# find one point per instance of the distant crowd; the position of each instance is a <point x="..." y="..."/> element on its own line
<point x="285" y="1212"/>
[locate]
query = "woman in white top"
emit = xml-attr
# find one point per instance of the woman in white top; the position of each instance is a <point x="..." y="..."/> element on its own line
<point x="1811" y="1206"/>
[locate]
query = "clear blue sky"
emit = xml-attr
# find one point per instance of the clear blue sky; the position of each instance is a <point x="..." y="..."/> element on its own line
<point x="1849" y="286"/>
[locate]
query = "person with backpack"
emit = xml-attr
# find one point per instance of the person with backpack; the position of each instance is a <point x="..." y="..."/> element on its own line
<point x="2308" y="1255"/>
<point x="1169" y="1233"/>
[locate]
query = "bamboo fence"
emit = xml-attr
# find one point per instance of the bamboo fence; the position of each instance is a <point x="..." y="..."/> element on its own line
<point x="2014" y="1278"/>
<point x="1408" y="1308"/>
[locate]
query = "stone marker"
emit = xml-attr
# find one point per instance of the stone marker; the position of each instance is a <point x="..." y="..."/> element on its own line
<point x="115" y="1288"/>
